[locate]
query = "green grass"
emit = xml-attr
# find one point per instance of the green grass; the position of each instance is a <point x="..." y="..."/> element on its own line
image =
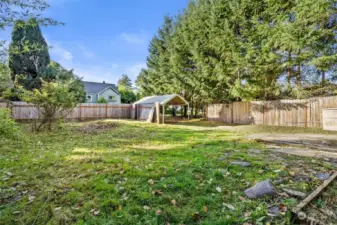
<point x="249" y="129"/>
<point x="124" y="175"/>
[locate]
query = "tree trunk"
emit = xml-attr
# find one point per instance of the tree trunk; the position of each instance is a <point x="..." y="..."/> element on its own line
<point x="323" y="78"/>
<point x="298" y="76"/>
<point x="196" y="110"/>
<point x="185" y="111"/>
<point x="289" y="70"/>
<point x="173" y="111"/>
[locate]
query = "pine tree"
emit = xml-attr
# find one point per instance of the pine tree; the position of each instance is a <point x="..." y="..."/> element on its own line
<point x="28" y="53"/>
<point x="125" y="81"/>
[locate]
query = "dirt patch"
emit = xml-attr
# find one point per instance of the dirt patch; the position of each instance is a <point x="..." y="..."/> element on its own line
<point x="97" y="127"/>
<point x="303" y="152"/>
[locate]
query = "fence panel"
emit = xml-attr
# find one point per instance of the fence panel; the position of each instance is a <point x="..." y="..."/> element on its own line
<point x="85" y="111"/>
<point x="220" y="112"/>
<point x="241" y="112"/>
<point x="298" y="112"/>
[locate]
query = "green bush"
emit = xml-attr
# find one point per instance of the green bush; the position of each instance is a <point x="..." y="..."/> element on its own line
<point x="102" y="100"/>
<point x="9" y="128"/>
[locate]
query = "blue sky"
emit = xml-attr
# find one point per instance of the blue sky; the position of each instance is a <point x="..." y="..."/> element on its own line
<point x="102" y="39"/>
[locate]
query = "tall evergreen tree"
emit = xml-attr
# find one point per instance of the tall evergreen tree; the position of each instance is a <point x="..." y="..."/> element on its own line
<point x="125" y="81"/>
<point x="28" y="53"/>
<point x="226" y="50"/>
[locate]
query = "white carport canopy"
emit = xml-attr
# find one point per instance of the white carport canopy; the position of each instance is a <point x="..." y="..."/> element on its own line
<point x="162" y="100"/>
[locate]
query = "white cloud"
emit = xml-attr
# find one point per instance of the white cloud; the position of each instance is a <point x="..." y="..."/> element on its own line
<point x="134" y="38"/>
<point x="58" y="52"/>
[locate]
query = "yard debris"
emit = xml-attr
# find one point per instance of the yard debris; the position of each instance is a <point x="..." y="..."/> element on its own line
<point x="294" y="193"/>
<point x="158" y="212"/>
<point x="9" y="174"/>
<point x="240" y="163"/>
<point x="157" y="192"/>
<point x="145" y="207"/>
<point x="314" y="194"/>
<point x="31" y="198"/>
<point x="150" y="181"/>
<point x="205" y="209"/>
<point x="196" y="216"/>
<point x="229" y="206"/>
<point x="174" y="202"/>
<point x="261" y="189"/>
<point x="95" y="212"/>
<point x="57" y="209"/>
<point x="273" y="211"/>
<point x="323" y="176"/>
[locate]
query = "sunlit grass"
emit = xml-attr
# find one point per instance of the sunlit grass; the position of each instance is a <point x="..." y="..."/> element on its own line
<point x="126" y="174"/>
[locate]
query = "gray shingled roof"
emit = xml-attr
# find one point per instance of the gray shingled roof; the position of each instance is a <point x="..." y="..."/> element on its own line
<point x="159" y="98"/>
<point x="94" y="87"/>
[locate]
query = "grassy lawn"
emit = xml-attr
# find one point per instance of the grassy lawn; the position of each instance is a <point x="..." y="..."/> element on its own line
<point x="120" y="172"/>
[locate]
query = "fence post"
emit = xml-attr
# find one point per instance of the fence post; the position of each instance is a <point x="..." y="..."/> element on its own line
<point x="80" y="112"/>
<point x="232" y="106"/>
<point x="106" y="111"/>
<point x="158" y="112"/>
<point x="262" y="112"/>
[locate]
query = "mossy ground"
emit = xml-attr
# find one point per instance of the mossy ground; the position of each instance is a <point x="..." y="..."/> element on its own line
<point x="138" y="173"/>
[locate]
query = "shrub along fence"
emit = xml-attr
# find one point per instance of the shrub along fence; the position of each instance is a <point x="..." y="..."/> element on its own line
<point x="298" y="113"/>
<point x="85" y="111"/>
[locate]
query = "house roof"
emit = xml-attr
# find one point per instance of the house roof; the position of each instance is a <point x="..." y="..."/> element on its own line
<point x="94" y="87"/>
<point x="163" y="99"/>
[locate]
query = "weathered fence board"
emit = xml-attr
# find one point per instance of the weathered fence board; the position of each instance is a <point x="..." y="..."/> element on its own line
<point x="85" y="111"/>
<point x="299" y="113"/>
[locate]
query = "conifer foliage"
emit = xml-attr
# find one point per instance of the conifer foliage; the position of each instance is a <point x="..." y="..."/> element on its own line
<point x="28" y="53"/>
<point x="232" y="50"/>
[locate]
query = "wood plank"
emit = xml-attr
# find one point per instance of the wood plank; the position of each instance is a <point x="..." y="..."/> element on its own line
<point x="314" y="194"/>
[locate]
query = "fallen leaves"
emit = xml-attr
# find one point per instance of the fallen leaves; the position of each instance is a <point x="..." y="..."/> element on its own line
<point x="157" y="192"/>
<point x="229" y="206"/>
<point x="196" y="216"/>
<point x="205" y="209"/>
<point x="158" y="212"/>
<point x="174" y="202"/>
<point x="95" y="212"/>
<point x="150" y="181"/>
<point x="57" y="209"/>
<point x="31" y="198"/>
<point x="146" y="208"/>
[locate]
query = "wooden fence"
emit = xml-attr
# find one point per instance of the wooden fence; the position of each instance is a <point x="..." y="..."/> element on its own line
<point x="85" y="111"/>
<point x="299" y="113"/>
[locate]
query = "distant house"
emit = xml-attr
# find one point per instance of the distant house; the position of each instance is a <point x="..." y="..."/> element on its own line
<point x="95" y="91"/>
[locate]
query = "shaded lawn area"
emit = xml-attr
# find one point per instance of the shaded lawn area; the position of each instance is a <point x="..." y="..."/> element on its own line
<point x="137" y="173"/>
<point x="249" y="129"/>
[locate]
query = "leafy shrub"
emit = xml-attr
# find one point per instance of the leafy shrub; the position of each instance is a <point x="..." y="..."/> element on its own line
<point x="9" y="128"/>
<point x="102" y="100"/>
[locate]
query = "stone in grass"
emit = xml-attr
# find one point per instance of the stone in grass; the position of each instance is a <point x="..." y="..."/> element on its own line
<point x="273" y="211"/>
<point x="254" y="151"/>
<point x="221" y="159"/>
<point x="261" y="189"/>
<point x="323" y="176"/>
<point x="294" y="193"/>
<point x="241" y="163"/>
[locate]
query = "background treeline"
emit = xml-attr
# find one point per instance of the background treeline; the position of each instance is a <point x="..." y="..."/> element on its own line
<point x="232" y="50"/>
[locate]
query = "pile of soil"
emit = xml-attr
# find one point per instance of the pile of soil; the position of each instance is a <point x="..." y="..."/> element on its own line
<point x="97" y="127"/>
